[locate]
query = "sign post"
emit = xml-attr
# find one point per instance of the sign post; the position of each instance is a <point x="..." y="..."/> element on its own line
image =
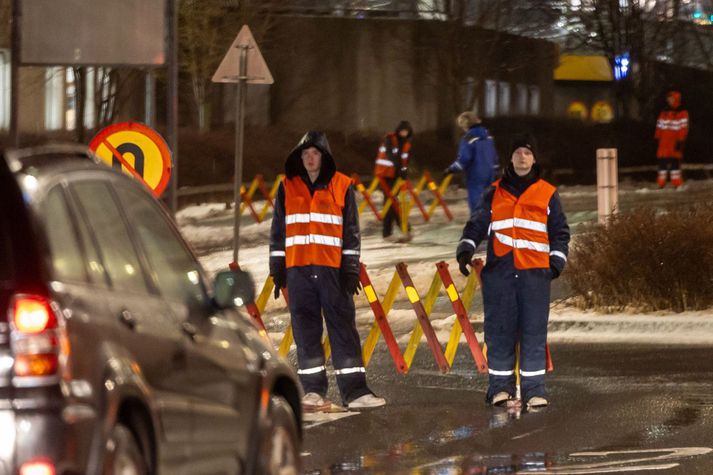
<point x="245" y="59"/>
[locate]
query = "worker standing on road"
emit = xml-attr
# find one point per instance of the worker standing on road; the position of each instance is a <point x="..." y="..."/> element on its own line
<point x="477" y="157"/>
<point x="529" y="237"/>
<point x="392" y="162"/>
<point x="314" y="252"/>
<point x="671" y="132"/>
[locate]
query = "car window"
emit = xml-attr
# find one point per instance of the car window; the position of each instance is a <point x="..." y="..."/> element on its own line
<point x="67" y="258"/>
<point x="121" y="262"/>
<point x="95" y="264"/>
<point x="5" y="249"/>
<point x="175" y="270"/>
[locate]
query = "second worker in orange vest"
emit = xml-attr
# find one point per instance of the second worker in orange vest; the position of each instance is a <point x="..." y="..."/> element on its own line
<point x="314" y="252"/>
<point x="392" y="162"/>
<point x="522" y="216"/>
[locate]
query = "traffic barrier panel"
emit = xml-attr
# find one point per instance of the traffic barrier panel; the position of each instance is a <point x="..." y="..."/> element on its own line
<point x="247" y="195"/>
<point x="366" y="195"/>
<point x="404" y="191"/>
<point x="422" y="308"/>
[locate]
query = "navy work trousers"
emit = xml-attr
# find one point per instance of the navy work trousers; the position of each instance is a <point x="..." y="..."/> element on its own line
<point x="314" y="290"/>
<point x="391" y="217"/>
<point x="517" y="306"/>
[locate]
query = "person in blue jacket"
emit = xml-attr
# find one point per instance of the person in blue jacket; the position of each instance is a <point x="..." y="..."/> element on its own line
<point x="528" y="241"/>
<point x="477" y="157"/>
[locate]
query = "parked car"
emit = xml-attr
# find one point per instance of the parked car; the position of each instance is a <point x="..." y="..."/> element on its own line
<point x="115" y="354"/>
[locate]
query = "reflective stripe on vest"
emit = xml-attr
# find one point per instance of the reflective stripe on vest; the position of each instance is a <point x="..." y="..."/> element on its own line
<point x="519" y="225"/>
<point x="314" y="223"/>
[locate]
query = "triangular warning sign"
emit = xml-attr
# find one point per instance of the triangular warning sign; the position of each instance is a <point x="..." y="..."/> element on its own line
<point x="257" y="70"/>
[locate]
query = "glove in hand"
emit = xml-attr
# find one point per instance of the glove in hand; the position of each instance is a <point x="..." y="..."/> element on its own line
<point x="464" y="259"/>
<point x="350" y="283"/>
<point x="280" y="281"/>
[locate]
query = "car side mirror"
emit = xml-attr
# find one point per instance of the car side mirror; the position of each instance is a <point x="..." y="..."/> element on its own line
<point x="233" y="288"/>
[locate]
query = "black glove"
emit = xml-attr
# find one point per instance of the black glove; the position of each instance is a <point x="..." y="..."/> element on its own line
<point x="280" y="280"/>
<point x="555" y="272"/>
<point x="678" y="147"/>
<point x="403" y="173"/>
<point x="350" y="282"/>
<point x="464" y="258"/>
<point x="447" y="172"/>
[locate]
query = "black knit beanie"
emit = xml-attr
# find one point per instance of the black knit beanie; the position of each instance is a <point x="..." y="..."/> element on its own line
<point x="524" y="140"/>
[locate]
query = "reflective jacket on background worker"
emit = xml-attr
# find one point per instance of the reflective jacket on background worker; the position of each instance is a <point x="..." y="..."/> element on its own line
<point x="672" y="128"/>
<point x="478" y="160"/>
<point x="392" y="160"/>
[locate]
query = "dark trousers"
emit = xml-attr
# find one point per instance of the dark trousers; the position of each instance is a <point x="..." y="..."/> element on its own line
<point x="517" y="306"/>
<point x="674" y="166"/>
<point x="314" y="290"/>
<point x="391" y="216"/>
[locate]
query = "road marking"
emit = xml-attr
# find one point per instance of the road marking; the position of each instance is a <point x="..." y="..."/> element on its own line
<point x="522" y="436"/>
<point x="658" y="459"/>
<point x="314" y="419"/>
<point x="624" y="465"/>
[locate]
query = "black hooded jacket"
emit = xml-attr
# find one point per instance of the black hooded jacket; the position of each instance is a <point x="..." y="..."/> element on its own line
<point x="351" y="238"/>
<point x="478" y="227"/>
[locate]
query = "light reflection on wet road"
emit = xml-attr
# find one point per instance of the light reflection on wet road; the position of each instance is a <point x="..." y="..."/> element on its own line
<point x="614" y="410"/>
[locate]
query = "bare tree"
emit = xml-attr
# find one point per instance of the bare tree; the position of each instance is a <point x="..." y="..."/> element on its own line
<point x="5" y="18"/>
<point x="645" y="30"/>
<point x="206" y="30"/>
<point x="473" y="39"/>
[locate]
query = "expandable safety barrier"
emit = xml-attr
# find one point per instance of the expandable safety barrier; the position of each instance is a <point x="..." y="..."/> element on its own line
<point x="442" y="281"/>
<point x="422" y="307"/>
<point x="246" y="195"/>
<point x="403" y="195"/>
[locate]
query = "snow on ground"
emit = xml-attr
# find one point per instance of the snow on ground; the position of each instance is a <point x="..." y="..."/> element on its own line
<point x="209" y="228"/>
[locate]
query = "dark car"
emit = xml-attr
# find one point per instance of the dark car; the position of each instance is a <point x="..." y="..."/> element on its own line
<point x="115" y="355"/>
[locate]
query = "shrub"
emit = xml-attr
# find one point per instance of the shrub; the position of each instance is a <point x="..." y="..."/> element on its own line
<point x="647" y="260"/>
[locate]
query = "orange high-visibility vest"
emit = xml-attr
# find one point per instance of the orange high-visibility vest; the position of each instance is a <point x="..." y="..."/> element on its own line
<point x="519" y="225"/>
<point x="388" y="158"/>
<point x="314" y="224"/>
<point x="671" y="127"/>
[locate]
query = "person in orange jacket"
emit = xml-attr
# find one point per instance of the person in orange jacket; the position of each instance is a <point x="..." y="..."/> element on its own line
<point x="314" y="252"/>
<point x="391" y="163"/>
<point x="671" y="132"/>
<point x="522" y="218"/>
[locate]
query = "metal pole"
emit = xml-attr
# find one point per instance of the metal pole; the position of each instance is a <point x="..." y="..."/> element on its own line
<point x="150" y="99"/>
<point x="239" y="126"/>
<point x="15" y="74"/>
<point x="172" y="106"/>
<point x="607" y="183"/>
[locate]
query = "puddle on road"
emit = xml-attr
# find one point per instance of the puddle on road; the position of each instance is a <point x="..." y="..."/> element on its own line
<point x="573" y="464"/>
<point x="580" y="463"/>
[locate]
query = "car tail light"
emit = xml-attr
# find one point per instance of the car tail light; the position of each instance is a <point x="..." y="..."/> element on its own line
<point x="36" y="338"/>
<point x="38" y="467"/>
<point x="44" y="364"/>
<point x="32" y="314"/>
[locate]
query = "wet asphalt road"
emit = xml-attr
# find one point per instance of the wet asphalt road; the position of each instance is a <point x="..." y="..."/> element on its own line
<point x="615" y="409"/>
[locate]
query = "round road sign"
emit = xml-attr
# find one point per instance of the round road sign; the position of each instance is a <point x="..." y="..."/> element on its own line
<point x="138" y="151"/>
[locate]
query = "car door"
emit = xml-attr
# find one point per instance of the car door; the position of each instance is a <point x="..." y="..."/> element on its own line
<point x="147" y="330"/>
<point x="224" y="372"/>
<point x="78" y="283"/>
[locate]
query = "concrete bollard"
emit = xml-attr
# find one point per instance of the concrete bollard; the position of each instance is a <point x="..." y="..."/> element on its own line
<point x="607" y="183"/>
